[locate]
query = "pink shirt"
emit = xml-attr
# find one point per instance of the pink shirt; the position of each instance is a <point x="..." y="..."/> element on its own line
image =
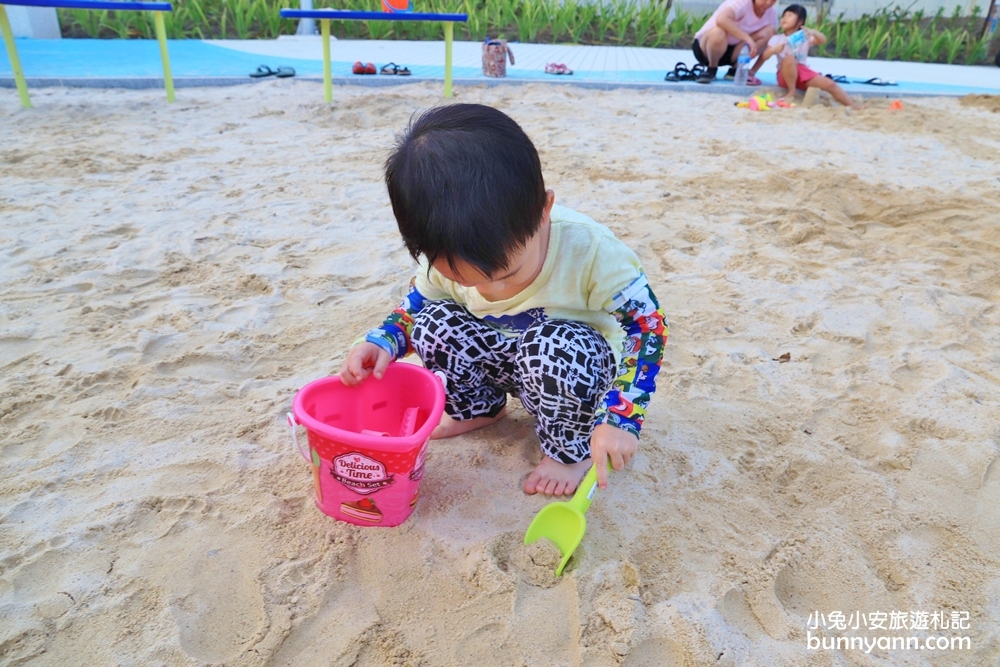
<point x="746" y="19"/>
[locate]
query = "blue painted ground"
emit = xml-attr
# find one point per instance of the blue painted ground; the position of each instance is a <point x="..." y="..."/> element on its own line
<point x="117" y="59"/>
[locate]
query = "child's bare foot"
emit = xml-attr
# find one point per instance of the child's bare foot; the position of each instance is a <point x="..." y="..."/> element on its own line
<point x="449" y="427"/>
<point x="554" y="478"/>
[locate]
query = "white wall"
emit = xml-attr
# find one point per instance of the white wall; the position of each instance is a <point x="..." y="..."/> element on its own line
<point x="36" y="22"/>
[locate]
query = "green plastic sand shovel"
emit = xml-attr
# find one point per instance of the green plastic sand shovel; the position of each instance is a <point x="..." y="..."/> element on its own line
<point x="564" y="523"/>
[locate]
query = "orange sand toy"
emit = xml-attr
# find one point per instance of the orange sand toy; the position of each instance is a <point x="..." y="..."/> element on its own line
<point x="397" y="6"/>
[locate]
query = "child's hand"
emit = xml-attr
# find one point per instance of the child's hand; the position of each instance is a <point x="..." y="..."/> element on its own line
<point x="611" y="441"/>
<point x="362" y="360"/>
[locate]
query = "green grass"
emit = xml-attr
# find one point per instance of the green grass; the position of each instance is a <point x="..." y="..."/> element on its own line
<point x="896" y="34"/>
<point x="891" y="34"/>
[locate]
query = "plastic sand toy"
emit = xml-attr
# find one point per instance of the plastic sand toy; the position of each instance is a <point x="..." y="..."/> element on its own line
<point x="564" y="522"/>
<point x="367" y="443"/>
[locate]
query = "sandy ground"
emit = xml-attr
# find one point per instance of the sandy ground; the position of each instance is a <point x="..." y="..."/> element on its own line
<point x="170" y="275"/>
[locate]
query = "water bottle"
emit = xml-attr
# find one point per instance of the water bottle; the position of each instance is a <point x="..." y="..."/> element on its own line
<point x="742" y="66"/>
<point x="798" y="42"/>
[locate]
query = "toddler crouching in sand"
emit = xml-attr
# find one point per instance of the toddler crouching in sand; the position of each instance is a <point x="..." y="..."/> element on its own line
<point x="514" y="295"/>
<point x="792" y="49"/>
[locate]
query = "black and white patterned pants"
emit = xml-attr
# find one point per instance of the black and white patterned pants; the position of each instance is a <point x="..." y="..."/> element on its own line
<point x="559" y="369"/>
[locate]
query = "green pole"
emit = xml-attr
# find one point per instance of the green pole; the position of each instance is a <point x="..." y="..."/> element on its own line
<point x="161" y="37"/>
<point x="449" y="32"/>
<point x="324" y="26"/>
<point x="15" y="62"/>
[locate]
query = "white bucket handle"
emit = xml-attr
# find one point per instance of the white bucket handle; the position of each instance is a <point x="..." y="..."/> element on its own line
<point x="444" y="379"/>
<point x="292" y="424"/>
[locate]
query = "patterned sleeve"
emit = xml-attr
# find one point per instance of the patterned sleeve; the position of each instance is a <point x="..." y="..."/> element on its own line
<point x="393" y="335"/>
<point x="646" y="330"/>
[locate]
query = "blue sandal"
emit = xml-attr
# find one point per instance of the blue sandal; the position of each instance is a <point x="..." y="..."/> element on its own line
<point x="262" y="71"/>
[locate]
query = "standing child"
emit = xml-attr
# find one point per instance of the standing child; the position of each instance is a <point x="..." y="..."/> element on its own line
<point x="514" y="295"/>
<point x="792" y="48"/>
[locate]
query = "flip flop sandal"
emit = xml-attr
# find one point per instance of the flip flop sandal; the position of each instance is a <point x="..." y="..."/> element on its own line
<point x="262" y="71"/>
<point x="284" y="72"/>
<point x="875" y="81"/>
<point x="837" y="78"/>
<point x="753" y="81"/>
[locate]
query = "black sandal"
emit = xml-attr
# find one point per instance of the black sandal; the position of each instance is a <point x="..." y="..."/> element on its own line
<point x="876" y="81"/>
<point x="680" y="73"/>
<point x="393" y="68"/>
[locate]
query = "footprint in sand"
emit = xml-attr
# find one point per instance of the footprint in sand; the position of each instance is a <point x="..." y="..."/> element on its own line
<point x="41" y="583"/>
<point x="203" y="609"/>
<point x="213" y="593"/>
<point x="311" y="643"/>
<point x="736" y="611"/>
<point x="535" y="603"/>
<point x="655" y="653"/>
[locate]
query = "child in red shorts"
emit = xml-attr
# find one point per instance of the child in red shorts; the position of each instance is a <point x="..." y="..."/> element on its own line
<point x="792" y="48"/>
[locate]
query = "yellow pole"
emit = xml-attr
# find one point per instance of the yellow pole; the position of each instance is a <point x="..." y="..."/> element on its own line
<point x="161" y="37"/>
<point x="324" y="26"/>
<point x="15" y="62"/>
<point x="448" y="35"/>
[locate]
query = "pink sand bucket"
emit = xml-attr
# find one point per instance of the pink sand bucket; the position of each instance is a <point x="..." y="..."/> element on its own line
<point x="367" y="443"/>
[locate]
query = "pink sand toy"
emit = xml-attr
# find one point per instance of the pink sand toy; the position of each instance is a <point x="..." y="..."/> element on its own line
<point x="367" y="443"/>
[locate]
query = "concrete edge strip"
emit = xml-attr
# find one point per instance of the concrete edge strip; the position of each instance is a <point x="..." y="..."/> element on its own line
<point x="137" y="83"/>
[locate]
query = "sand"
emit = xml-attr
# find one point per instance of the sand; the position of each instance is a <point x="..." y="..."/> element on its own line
<point x="824" y="437"/>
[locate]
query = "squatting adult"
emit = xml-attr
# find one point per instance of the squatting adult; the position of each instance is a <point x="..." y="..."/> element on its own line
<point x="735" y="23"/>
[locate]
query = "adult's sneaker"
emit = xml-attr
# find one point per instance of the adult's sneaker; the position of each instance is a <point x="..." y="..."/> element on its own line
<point x="730" y="74"/>
<point x="708" y="76"/>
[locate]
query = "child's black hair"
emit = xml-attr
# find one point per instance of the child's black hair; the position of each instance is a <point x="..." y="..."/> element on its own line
<point x="465" y="183"/>
<point x="798" y="10"/>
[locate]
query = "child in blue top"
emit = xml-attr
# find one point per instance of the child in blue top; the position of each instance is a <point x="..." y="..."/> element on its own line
<point x="515" y="295"/>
